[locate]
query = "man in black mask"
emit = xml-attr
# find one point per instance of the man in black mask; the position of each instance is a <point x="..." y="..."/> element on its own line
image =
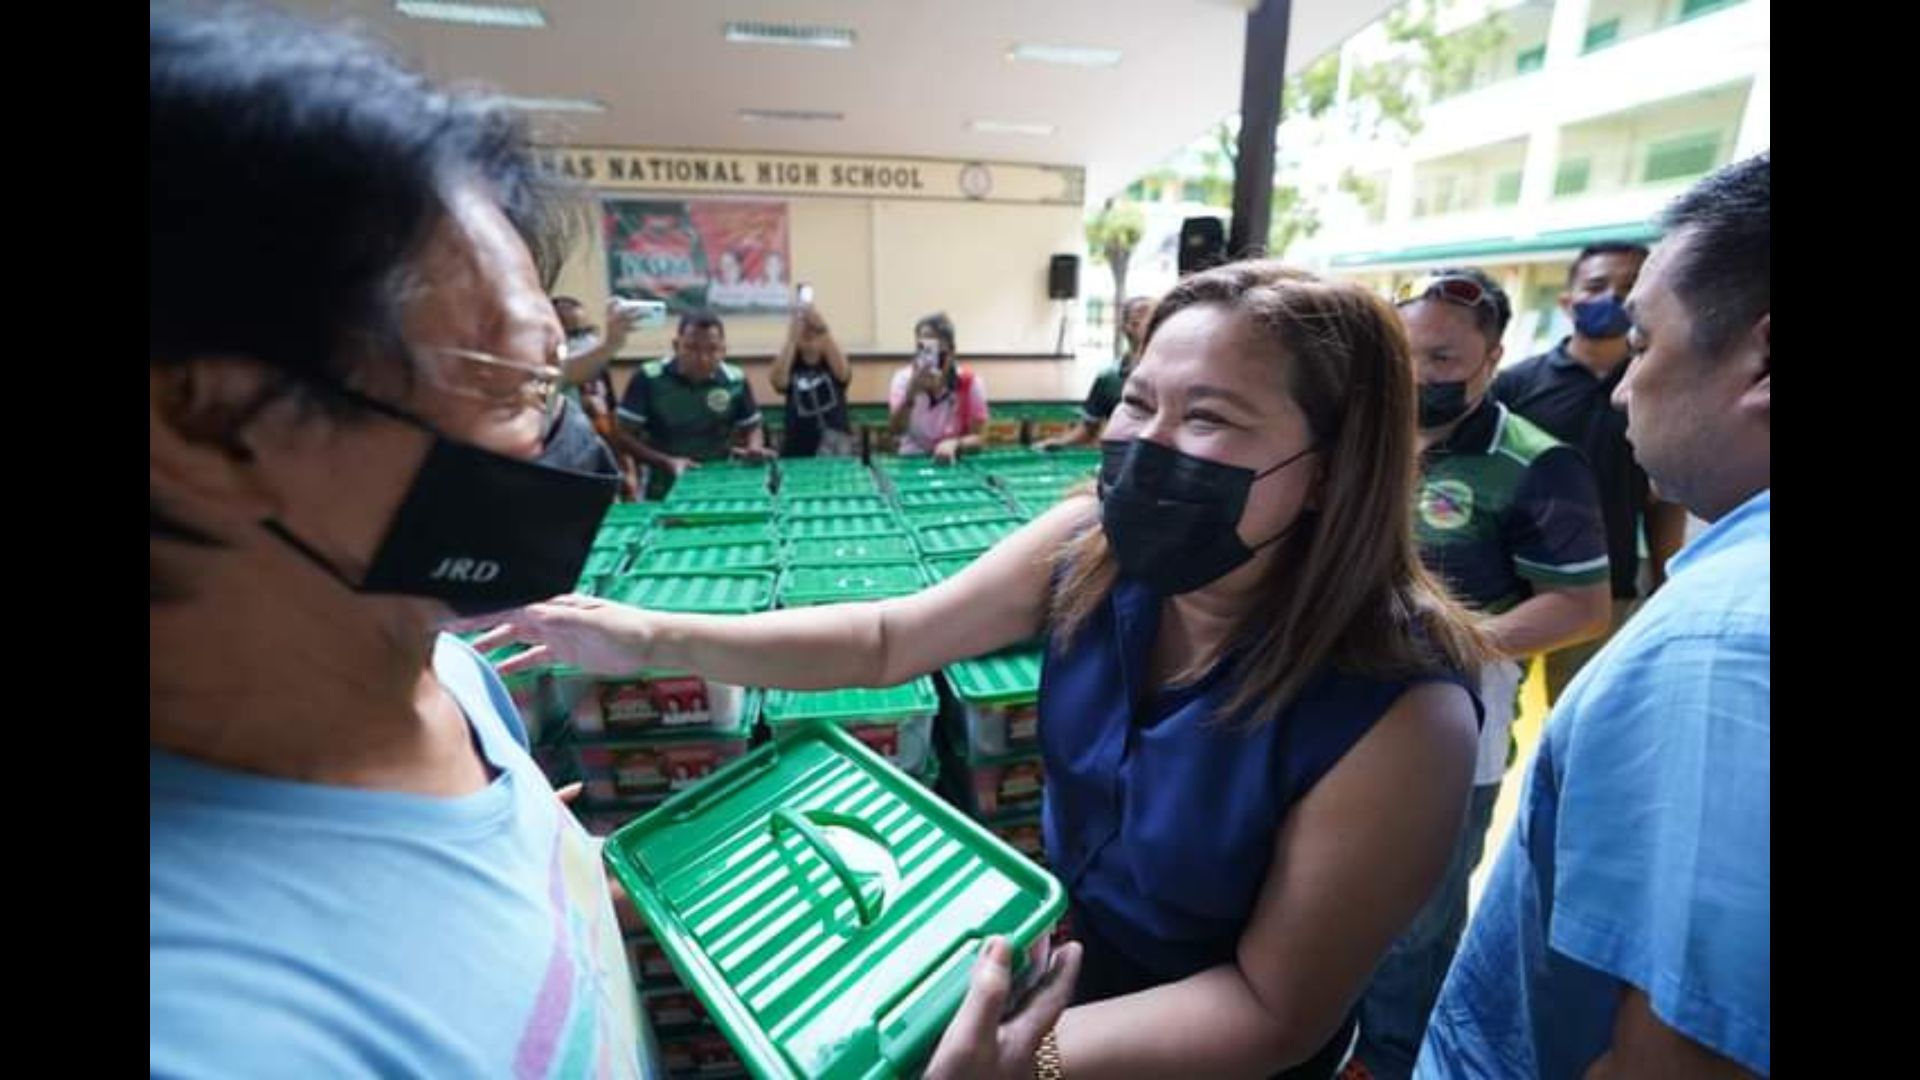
<point x="1507" y="517"/>
<point x="1567" y="392"/>
<point x="357" y="868"/>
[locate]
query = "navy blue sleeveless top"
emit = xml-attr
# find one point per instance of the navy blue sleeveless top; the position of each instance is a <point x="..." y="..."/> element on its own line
<point x="1159" y="817"/>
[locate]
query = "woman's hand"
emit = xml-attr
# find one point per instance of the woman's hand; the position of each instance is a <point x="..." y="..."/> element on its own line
<point x="928" y="381"/>
<point x="980" y="1043"/>
<point x="947" y="452"/>
<point x="597" y="636"/>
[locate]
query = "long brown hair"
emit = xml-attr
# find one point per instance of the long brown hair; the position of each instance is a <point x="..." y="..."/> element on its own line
<point x="1347" y="589"/>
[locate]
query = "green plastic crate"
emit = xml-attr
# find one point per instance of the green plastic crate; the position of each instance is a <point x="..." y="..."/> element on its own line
<point x="852" y="550"/>
<point x="729" y="472"/>
<point x="1010" y="676"/>
<point x="602" y="561"/>
<point x="806" y="586"/>
<point x="972" y="536"/>
<point x="734" y="593"/>
<point x="942" y="567"/>
<point x="900" y="466"/>
<point x="924" y="517"/>
<point x="839" y="527"/>
<point x="728" y="511"/>
<point x="621" y="536"/>
<point x="630" y="514"/>
<point x="895" y="722"/>
<point x="853" y="705"/>
<point x="680" y="497"/>
<point x="998" y="696"/>
<point x="620" y="766"/>
<point x="763" y="555"/>
<point x="1043" y="492"/>
<point x="825" y="907"/>
<point x="800" y="487"/>
<point x="711" y="535"/>
<point x="805" y="506"/>
<point x="817" y="466"/>
<point x="953" y="480"/>
<point x="975" y="495"/>
<point x="1041" y="466"/>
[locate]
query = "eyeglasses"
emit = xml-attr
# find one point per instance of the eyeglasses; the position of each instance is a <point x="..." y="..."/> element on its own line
<point x="485" y="377"/>
<point x="1463" y="291"/>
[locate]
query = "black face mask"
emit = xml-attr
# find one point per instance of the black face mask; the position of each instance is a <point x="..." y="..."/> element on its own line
<point x="1171" y="517"/>
<point x="483" y="531"/>
<point x="1442" y="403"/>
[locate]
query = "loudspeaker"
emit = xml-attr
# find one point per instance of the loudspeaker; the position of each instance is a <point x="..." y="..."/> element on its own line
<point x="1063" y="277"/>
<point x="1203" y="244"/>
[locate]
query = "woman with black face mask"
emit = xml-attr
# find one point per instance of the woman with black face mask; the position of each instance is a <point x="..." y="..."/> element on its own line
<point x="1257" y="738"/>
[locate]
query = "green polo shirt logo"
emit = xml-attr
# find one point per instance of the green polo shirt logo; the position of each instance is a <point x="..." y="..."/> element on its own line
<point x="1446" y="504"/>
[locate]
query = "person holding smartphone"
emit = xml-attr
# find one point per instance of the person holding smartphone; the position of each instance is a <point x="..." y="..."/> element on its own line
<point x="813" y="373"/>
<point x="936" y="406"/>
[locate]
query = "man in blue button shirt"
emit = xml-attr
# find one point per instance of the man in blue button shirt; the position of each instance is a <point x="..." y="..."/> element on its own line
<point x="1625" y="929"/>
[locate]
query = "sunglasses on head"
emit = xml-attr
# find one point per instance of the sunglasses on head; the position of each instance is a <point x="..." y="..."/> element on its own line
<point x="1463" y="291"/>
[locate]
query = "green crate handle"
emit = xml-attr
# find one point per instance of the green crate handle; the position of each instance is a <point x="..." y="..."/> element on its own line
<point x="786" y="817"/>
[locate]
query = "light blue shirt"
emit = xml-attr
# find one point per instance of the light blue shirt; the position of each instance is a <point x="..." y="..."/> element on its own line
<point x="1642" y="849"/>
<point x="302" y="930"/>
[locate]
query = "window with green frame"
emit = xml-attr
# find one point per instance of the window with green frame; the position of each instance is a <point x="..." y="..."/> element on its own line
<point x="1693" y="9"/>
<point x="1682" y="158"/>
<point x="1506" y="188"/>
<point x="1572" y="176"/>
<point x="1530" y="60"/>
<point x="1601" y="35"/>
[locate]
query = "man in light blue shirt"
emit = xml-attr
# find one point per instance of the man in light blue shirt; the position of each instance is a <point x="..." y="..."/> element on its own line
<point x="1625" y="928"/>
<point x="323" y="930"/>
<point x="356" y="436"/>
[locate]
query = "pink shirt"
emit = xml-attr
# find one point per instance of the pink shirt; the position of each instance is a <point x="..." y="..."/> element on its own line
<point x="962" y="411"/>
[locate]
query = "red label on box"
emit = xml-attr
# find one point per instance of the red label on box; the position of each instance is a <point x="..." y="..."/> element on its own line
<point x="668" y="702"/>
<point x="883" y="738"/>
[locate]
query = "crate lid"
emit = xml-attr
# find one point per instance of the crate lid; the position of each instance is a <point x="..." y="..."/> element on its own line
<point x="826" y="907"/>
<point x="760" y="555"/>
<point x="801" y="505"/>
<point x="1008" y="677"/>
<point x="903" y="702"/>
<point x="845" y="550"/>
<point x="832" y="527"/>
<point x="967" y="536"/>
<point x="731" y="593"/>
<point x="805" y="586"/>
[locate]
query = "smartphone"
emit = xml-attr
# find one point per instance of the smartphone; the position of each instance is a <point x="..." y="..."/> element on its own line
<point x="805" y="293"/>
<point x="643" y="313"/>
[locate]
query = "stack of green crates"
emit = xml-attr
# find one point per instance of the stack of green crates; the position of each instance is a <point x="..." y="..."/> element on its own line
<point x="993" y="735"/>
<point x="895" y="721"/>
<point x="638" y="738"/>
